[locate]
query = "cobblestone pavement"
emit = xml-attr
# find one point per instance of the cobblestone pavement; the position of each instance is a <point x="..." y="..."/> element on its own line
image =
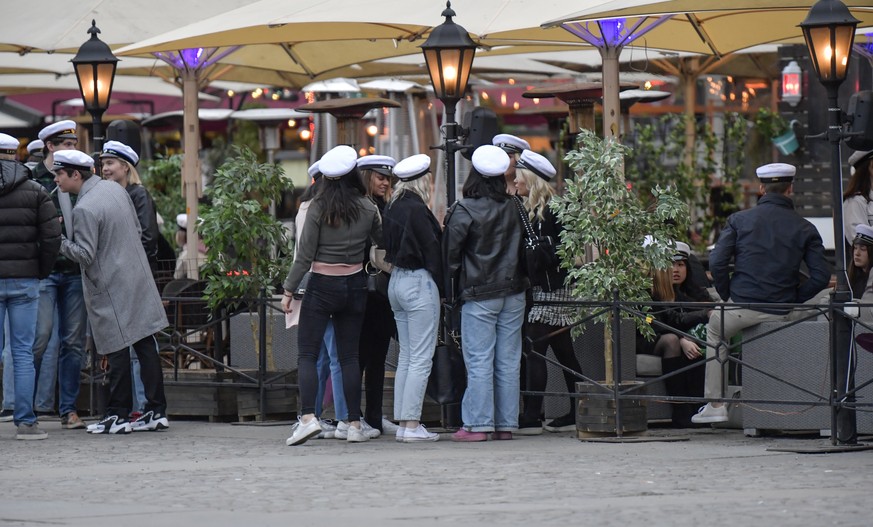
<point x="229" y="475"/>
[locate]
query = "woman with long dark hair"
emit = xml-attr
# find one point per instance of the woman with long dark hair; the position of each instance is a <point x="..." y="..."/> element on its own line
<point x="858" y="196"/>
<point x="676" y="350"/>
<point x="861" y="261"/>
<point x="482" y="246"/>
<point x="340" y="223"/>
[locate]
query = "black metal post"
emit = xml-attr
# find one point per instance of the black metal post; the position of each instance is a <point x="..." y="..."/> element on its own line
<point x="451" y="148"/>
<point x="97" y="130"/>
<point x="843" y="424"/>
<point x="262" y="354"/>
<point x="616" y="360"/>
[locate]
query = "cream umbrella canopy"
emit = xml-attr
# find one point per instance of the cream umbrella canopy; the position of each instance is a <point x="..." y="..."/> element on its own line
<point x="715" y="27"/>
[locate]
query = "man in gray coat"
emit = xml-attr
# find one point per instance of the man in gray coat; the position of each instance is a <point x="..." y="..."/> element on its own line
<point x="124" y="306"/>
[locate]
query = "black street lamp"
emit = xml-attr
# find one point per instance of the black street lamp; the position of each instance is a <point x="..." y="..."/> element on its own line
<point x="95" y="70"/>
<point x="449" y="52"/>
<point x="829" y="30"/>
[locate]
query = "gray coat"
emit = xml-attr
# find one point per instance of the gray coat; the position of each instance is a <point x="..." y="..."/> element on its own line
<point x="123" y="302"/>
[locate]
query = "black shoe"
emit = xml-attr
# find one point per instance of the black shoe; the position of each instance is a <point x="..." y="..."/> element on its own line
<point x="566" y="423"/>
<point x="150" y="421"/>
<point x="6" y="416"/>
<point x="529" y="427"/>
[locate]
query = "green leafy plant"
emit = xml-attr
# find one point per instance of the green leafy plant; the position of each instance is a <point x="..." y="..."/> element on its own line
<point x="770" y="124"/>
<point x="599" y="210"/>
<point x="242" y="237"/>
<point x="162" y="177"/>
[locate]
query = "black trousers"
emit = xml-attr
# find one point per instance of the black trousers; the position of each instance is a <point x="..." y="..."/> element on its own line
<point x="120" y="381"/>
<point x="378" y="328"/>
<point x="536" y="368"/>
<point x="342" y="299"/>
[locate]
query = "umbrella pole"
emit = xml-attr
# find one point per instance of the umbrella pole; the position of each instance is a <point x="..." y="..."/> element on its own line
<point x="191" y="180"/>
<point x="611" y="103"/>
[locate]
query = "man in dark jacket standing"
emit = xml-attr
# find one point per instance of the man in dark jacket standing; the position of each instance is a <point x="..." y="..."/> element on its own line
<point x="768" y="242"/>
<point x="62" y="315"/>
<point x="30" y="237"/>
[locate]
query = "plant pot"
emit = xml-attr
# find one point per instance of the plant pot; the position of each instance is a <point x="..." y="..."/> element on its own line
<point x="595" y="416"/>
<point x="786" y="143"/>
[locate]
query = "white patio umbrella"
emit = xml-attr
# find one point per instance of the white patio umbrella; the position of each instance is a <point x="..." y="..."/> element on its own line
<point x="716" y="27"/>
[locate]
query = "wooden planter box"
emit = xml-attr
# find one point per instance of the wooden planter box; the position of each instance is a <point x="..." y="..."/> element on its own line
<point x="596" y="416"/>
<point x="187" y="399"/>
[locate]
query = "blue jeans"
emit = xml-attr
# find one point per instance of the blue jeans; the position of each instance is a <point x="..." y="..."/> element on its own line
<point x="47" y="378"/>
<point x="8" y="375"/>
<point x="139" y="396"/>
<point x="328" y="365"/>
<point x="340" y="299"/>
<point x="491" y="342"/>
<point x="415" y="300"/>
<point x="64" y="293"/>
<point x="19" y="298"/>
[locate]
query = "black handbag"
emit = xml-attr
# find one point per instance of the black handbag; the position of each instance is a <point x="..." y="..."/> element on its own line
<point x="540" y="253"/>
<point x="301" y="287"/>
<point x="377" y="282"/>
<point x="448" y="376"/>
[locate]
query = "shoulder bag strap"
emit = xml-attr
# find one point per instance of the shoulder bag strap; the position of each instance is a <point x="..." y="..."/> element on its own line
<point x="522" y="212"/>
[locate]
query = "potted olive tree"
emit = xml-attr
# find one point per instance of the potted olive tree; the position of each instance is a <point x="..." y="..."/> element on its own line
<point x="242" y="237"/>
<point x="599" y="211"/>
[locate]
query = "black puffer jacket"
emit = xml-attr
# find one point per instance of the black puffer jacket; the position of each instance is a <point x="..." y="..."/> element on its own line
<point x="30" y="233"/>
<point x="482" y="247"/>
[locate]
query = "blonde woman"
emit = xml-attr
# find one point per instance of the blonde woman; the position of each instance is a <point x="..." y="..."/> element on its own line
<point x="532" y="181"/>
<point x="412" y="245"/>
<point x="118" y="163"/>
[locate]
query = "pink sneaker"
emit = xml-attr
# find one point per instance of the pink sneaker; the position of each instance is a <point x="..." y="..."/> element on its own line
<point x="465" y="436"/>
<point x="501" y="436"/>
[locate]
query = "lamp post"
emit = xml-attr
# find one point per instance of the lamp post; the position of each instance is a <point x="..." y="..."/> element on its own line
<point x="449" y="52"/>
<point x="95" y="70"/>
<point x="829" y="30"/>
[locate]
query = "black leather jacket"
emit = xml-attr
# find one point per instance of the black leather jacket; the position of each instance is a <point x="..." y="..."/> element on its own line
<point x="482" y="248"/>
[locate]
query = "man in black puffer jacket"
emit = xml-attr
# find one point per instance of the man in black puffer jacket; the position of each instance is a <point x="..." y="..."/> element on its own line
<point x="30" y="237"/>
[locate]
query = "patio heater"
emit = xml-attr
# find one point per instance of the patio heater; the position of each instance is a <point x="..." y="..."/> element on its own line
<point x="829" y="31"/>
<point x="95" y="70"/>
<point x="449" y="52"/>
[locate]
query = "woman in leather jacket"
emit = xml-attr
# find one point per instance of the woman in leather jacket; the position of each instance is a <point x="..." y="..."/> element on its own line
<point x="482" y="246"/>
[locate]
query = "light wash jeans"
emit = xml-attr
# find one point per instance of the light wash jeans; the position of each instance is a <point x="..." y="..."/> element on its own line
<point x="491" y="342"/>
<point x="44" y="397"/>
<point x="415" y="300"/>
<point x="139" y="396"/>
<point x="19" y="298"/>
<point x="328" y="366"/>
<point x="64" y="293"/>
<point x="8" y="375"/>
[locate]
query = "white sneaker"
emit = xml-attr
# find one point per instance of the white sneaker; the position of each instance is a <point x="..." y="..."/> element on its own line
<point x="398" y="435"/>
<point x="303" y="432"/>
<point x="342" y="431"/>
<point x="371" y="432"/>
<point x="328" y="429"/>
<point x="419" y="434"/>
<point x="357" y="435"/>
<point x="111" y="424"/>
<point x="710" y="414"/>
<point x="388" y="427"/>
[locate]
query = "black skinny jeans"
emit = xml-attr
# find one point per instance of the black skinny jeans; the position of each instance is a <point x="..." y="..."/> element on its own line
<point x="379" y="326"/>
<point x="343" y="299"/>
<point x="536" y="369"/>
<point x="120" y="381"/>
